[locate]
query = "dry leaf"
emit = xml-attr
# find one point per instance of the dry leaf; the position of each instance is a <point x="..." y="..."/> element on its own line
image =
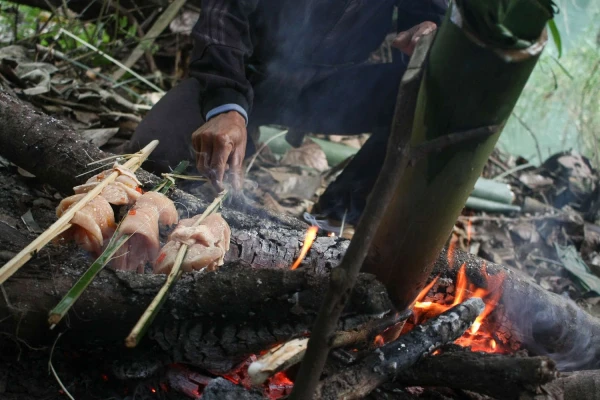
<point x="309" y="154"/>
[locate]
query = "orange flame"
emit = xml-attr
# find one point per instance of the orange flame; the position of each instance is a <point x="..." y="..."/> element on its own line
<point x="310" y="237"/>
<point x="480" y="336"/>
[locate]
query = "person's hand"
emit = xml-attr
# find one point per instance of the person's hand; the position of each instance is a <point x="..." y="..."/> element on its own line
<point x="220" y="146"/>
<point x="407" y="41"/>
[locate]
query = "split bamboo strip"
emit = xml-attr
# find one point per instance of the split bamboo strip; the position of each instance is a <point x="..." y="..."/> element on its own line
<point x="61" y="224"/>
<point x="115" y="243"/>
<point x="146" y="319"/>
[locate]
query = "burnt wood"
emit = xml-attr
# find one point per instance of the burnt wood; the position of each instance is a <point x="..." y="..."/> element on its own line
<point x="387" y="362"/>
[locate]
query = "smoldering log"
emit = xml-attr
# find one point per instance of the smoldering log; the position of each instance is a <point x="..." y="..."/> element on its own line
<point x="386" y="362"/>
<point x="544" y="322"/>
<point x="501" y="376"/>
<point x="580" y="385"/>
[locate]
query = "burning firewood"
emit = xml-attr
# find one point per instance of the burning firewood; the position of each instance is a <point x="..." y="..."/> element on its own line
<point x="500" y="376"/>
<point x="290" y="353"/>
<point x="388" y="361"/>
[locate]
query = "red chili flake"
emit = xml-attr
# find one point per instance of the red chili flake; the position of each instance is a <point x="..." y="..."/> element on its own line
<point x="131" y="212"/>
<point x="161" y="257"/>
<point x="139" y="190"/>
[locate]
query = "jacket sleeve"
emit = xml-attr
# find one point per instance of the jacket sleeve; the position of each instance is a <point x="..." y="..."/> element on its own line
<point x="413" y="12"/>
<point x="221" y="44"/>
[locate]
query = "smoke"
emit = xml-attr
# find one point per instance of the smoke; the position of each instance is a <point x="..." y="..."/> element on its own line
<point x="560" y="330"/>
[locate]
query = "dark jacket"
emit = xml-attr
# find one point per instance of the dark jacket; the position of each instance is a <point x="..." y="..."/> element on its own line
<point x="233" y="34"/>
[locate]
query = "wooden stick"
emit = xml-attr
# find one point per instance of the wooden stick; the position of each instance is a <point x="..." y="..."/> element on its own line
<point x="59" y="226"/>
<point x="344" y="276"/>
<point x="146" y="319"/>
<point x="115" y="243"/>
<point x="292" y="352"/>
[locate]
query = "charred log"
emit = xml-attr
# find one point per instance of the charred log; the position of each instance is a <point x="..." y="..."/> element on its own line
<point x="500" y="376"/>
<point x="543" y="322"/>
<point x="387" y="362"/>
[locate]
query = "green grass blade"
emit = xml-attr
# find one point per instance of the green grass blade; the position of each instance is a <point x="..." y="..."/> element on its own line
<point x="61" y="309"/>
<point x="555" y="36"/>
<point x="166" y="184"/>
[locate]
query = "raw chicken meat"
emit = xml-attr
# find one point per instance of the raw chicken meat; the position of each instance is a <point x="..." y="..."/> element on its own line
<point x="125" y="189"/>
<point x="142" y="221"/>
<point x="208" y="243"/>
<point x="92" y="225"/>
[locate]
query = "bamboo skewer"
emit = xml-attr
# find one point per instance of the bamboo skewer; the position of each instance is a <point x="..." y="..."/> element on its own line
<point x="146" y="319"/>
<point x="61" y="224"/>
<point x="115" y="243"/>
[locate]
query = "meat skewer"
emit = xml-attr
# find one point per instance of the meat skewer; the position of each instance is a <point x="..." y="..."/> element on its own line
<point x="142" y="223"/>
<point x="64" y="222"/>
<point x="207" y="244"/>
<point x="115" y="243"/>
<point x="146" y="319"/>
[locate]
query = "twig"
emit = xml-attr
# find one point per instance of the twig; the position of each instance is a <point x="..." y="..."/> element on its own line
<point x="51" y="368"/>
<point x="291" y="353"/>
<point x="62" y="56"/>
<point x="512" y="171"/>
<point x="146" y="319"/>
<point x="59" y="226"/>
<point x="116" y="62"/>
<point x="115" y="243"/>
<point x="344" y="276"/>
<point x="533" y="136"/>
<point x="419" y="152"/>
<point x="157" y="28"/>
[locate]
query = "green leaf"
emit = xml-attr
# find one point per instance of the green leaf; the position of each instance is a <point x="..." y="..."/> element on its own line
<point x="573" y="263"/>
<point x="555" y="36"/>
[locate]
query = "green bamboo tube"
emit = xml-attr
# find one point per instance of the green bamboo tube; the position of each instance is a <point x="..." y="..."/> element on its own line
<point x="470" y="81"/>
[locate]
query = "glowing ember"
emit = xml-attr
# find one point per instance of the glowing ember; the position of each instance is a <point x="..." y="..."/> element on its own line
<point x="331" y="234"/>
<point x="311" y="235"/>
<point x="379" y="341"/>
<point x="480" y="336"/>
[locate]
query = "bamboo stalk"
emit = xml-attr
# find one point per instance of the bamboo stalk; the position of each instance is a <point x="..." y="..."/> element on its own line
<point x="115" y="243"/>
<point x="483" y="92"/>
<point x="59" y="226"/>
<point x="146" y="319"/>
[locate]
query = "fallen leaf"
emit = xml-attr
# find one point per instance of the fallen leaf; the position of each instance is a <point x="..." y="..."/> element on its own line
<point x="99" y="137"/>
<point x="309" y="154"/>
<point x="574" y="264"/>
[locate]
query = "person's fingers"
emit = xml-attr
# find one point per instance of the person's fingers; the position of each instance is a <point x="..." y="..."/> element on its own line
<point x="236" y="171"/>
<point x="204" y="155"/>
<point x="406" y="41"/>
<point x="424" y="29"/>
<point x="402" y="40"/>
<point x="222" y="147"/>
